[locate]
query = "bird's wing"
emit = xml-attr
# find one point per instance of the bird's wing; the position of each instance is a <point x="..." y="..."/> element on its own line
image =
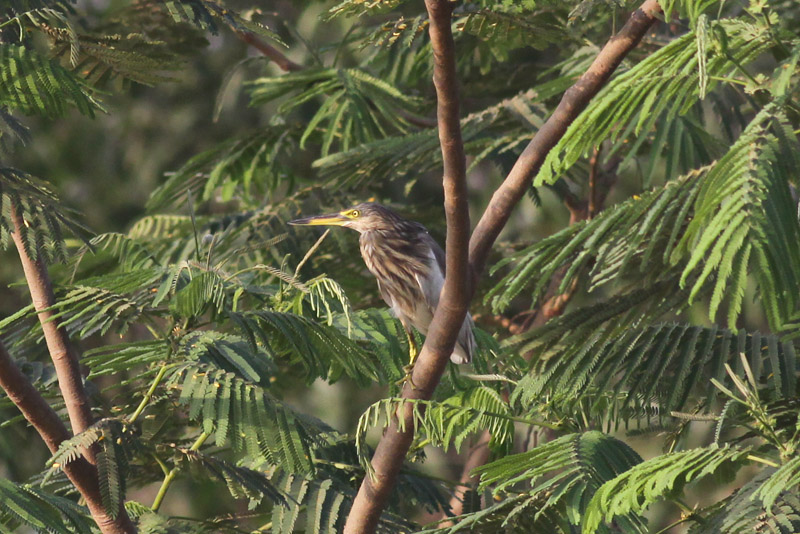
<point x="387" y="297"/>
<point x="431" y="285"/>
<point x="438" y="253"/>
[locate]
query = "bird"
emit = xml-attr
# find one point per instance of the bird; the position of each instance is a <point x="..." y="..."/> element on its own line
<point x="409" y="266"/>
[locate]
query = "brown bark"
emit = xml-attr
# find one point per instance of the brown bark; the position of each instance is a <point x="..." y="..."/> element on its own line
<point x="32" y="405"/>
<point x="574" y="101"/>
<point x="49" y="426"/>
<point x="452" y="308"/>
<point x="65" y="359"/>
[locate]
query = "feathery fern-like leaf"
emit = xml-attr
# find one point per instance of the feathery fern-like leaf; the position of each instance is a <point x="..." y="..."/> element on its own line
<point x="496" y="130"/>
<point x="745" y="512"/>
<point x="322" y="351"/>
<point x="205" y="13"/>
<point x="46" y="219"/>
<point x="661" y="477"/>
<point x="117" y="445"/>
<point x="785" y="479"/>
<point x="242" y="482"/>
<point x="247" y="416"/>
<point x="443" y="423"/>
<point x="565" y="473"/>
<point x="250" y="166"/>
<point x="661" y="86"/>
<point x="744" y="210"/>
<point x="41" y="511"/>
<point x="35" y="84"/>
<point x="664" y="363"/>
<point x="358" y="107"/>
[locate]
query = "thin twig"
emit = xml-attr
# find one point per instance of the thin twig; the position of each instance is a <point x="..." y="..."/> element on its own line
<point x="477" y="456"/>
<point x="170" y="477"/>
<point x="283" y="62"/>
<point x="311" y="251"/>
<point x="593" y="164"/>
<point x="416" y="120"/>
<point x="150" y="392"/>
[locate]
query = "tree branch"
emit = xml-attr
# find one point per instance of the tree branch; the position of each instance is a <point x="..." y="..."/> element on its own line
<point x="49" y="426"/>
<point x="574" y="101"/>
<point x="458" y="288"/>
<point x="601" y="180"/>
<point x="283" y="62"/>
<point x="30" y="402"/>
<point x="65" y="360"/>
<point x="452" y="308"/>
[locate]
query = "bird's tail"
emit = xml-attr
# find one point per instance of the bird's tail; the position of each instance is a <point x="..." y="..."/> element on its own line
<point x="465" y="344"/>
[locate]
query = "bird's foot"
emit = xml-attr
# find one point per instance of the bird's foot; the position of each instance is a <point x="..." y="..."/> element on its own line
<point x="408" y="370"/>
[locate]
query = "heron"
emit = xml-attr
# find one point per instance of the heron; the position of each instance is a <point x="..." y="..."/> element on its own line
<point x="409" y="266"/>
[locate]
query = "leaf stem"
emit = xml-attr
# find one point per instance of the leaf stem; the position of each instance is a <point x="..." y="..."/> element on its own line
<point x="162" y="491"/>
<point x="150" y="392"/>
<point x="161" y="464"/>
<point x="311" y="251"/>
<point x="762" y="460"/>
<point x="676" y="523"/>
<point x="727" y="79"/>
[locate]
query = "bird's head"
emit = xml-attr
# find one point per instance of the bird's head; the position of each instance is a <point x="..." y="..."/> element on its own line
<point x="364" y="217"/>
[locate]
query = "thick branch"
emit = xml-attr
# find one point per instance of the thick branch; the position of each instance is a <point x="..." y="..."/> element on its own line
<point x="47" y="423"/>
<point x="452" y="308"/>
<point x="32" y="405"/>
<point x="572" y="103"/>
<point x="65" y="360"/>
<point x="283" y="62"/>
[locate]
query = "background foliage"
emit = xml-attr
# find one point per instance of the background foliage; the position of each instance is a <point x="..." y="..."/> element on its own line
<point x="240" y="371"/>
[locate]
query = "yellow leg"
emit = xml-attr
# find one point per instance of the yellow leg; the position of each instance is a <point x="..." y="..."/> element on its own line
<point x="413" y="352"/>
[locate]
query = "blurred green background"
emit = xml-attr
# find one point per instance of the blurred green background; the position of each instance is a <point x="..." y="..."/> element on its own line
<point x="105" y="168"/>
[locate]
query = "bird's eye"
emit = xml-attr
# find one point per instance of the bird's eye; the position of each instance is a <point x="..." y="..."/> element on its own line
<point x="354" y="214"/>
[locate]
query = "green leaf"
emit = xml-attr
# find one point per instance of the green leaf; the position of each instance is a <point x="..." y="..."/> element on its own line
<point x="248" y="416"/>
<point x="46" y="219"/>
<point x="661" y="477"/>
<point x="205" y="13"/>
<point x="658" y="88"/>
<point x="37" y="85"/>
<point x="40" y="510"/>
<point x="357" y="106"/>
<point x="564" y="473"/>
<point x="785" y="479"/>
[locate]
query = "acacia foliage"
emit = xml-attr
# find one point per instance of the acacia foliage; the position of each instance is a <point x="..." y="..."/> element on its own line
<point x="687" y="308"/>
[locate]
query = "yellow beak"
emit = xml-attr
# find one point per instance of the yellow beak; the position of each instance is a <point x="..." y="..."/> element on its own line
<point x="331" y="219"/>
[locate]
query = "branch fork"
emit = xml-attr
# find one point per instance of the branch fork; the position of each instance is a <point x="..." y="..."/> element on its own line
<point x="82" y="472"/>
<point x="466" y="256"/>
